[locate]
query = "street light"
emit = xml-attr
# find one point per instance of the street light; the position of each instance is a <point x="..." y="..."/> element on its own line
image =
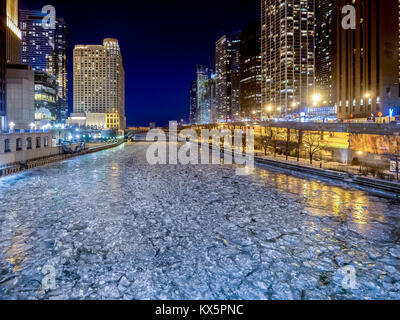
<point x="32" y="125"/>
<point x="360" y="153"/>
<point x="268" y="109"/>
<point x="316" y="98"/>
<point x="12" y="125"/>
<point x="368" y="95"/>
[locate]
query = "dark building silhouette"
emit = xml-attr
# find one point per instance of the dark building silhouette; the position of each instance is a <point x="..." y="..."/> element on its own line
<point x="193" y="102"/>
<point x="250" y="72"/>
<point x="325" y="55"/>
<point x="3" y="63"/>
<point x="368" y="60"/>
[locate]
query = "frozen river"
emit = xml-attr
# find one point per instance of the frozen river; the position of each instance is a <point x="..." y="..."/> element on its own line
<point x="114" y="227"/>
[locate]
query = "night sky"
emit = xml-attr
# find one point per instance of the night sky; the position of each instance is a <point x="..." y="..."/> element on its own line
<point x="161" y="43"/>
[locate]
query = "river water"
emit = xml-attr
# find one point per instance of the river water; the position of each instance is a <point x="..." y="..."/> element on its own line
<point x="110" y="226"/>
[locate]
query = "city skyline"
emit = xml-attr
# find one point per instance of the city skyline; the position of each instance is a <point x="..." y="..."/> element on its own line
<point x="184" y="42"/>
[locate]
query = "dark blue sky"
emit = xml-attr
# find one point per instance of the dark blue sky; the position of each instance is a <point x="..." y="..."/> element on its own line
<point x="161" y="43"/>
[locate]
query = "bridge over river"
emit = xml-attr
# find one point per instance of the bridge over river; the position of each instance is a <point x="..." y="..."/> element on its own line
<point x="113" y="227"/>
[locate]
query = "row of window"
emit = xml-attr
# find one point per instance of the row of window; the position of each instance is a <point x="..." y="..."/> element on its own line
<point x="29" y="144"/>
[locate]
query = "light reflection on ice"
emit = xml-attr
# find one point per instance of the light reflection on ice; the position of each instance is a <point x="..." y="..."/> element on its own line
<point x="116" y="228"/>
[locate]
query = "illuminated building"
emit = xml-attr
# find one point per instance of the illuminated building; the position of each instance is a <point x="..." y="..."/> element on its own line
<point x="368" y="61"/>
<point x="14" y="43"/>
<point x="3" y="64"/>
<point x="45" y="99"/>
<point x="193" y="102"/>
<point x="227" y="62"/>
<point x="46" y="50"/>
<point x="203" y="97"/>
<point x="287" y="48"/>
<point x="99" y="80"/>
<point x="212" y="95"/>
<point x="94" y="121"/>
<point x="250" y="72"/>
<point x="57" y="67"/>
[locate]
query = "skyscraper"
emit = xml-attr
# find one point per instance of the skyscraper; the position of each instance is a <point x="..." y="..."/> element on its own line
<point x="223" y="79"/>
<point x="3" y="63"/>
<point x="212" y="93"/>
<point x="287" y="55"/>
<point x="235" y="76"/>
<point x="99" y="81"/>
<point x="57" y="67"/>
<point x="325" y="55"/>
<point x="193" y="102"/>
<point x="13" y="33"/>
<point x="46" y="50"/>
<point x="203" y="95"/>
<point x="368" y="61"/>
<point x="227" y="62"/>
<point x="250" y="72"/>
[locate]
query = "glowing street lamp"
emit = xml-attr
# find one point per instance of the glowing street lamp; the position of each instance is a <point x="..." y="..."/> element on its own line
<point x="316" y="98"/>
<point x="360" y="153"/>
<point x="268" y="110"/>
<point x="32" y="125"/>
<point x="12" y="125"/>
<point x="368" y="95"/>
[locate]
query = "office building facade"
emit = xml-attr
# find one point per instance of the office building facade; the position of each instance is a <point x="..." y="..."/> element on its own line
<point x="99" y="81"/>
<point x="203" y="95"/>
<point x="325" y="55"/>
<point x="288" y="58"/>
<point x="227" y="65"/>
<point x="45" y="50"/>
<point x="14" y="44"/>
<point x="193" y="102"/>
<point x="45" y="99"/>
<point x="368" y="68"/>
<point x="250" y="72"/>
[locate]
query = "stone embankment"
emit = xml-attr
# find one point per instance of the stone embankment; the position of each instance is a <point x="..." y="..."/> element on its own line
<point x="33" y="163"/>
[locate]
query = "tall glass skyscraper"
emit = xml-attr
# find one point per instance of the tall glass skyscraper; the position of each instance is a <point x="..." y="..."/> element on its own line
<point x="46" y="50"/>
<point x="288" y="57"/>
<point x="203" y="96"/>
<point x="193" y="102"/>
<point x="227" y="64"/>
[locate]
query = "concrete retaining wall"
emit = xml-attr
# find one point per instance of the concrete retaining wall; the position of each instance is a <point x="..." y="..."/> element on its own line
<point x="22" y="147"/>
